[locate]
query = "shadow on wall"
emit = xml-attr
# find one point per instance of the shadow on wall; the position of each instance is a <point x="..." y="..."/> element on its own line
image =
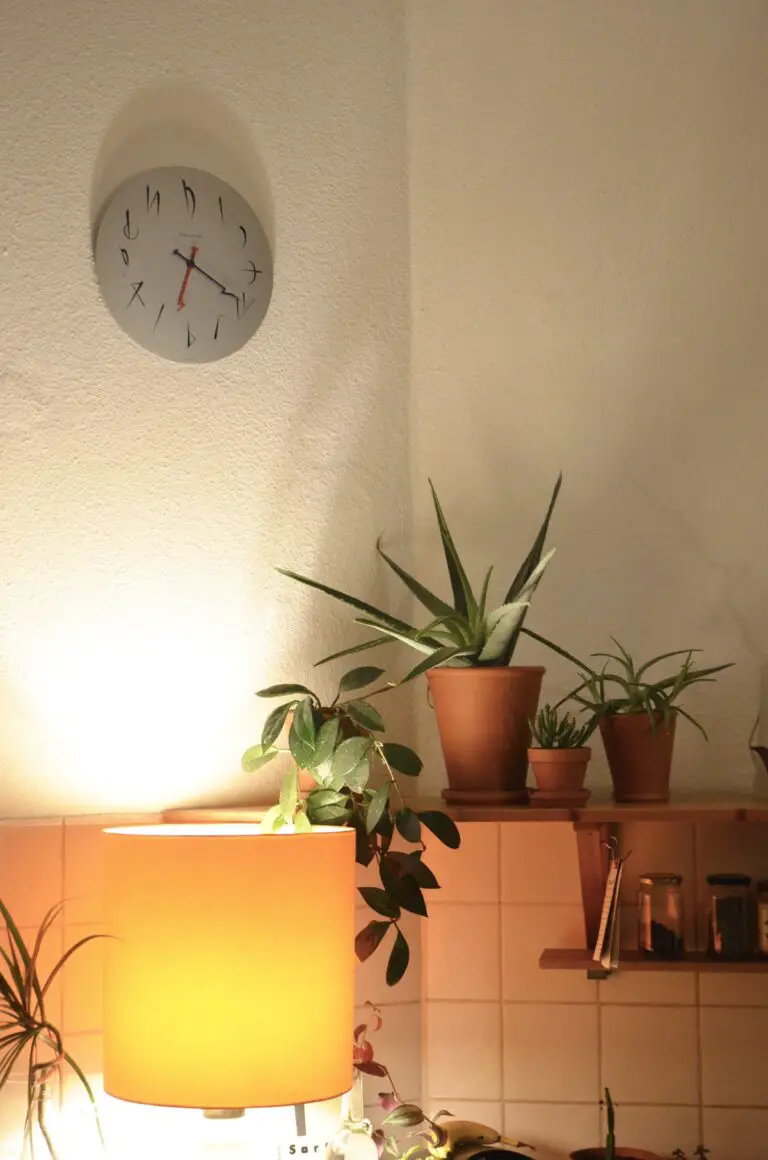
<point x="180" y="124"/>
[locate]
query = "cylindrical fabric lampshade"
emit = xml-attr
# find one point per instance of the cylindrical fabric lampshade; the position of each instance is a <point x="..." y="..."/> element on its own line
<point x="229" y="976"/>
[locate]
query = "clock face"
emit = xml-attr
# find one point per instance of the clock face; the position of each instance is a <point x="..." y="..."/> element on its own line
<point x="183" y="264"/>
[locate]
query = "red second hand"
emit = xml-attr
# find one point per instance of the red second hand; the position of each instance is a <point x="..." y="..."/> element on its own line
<point x="180" y="301"/>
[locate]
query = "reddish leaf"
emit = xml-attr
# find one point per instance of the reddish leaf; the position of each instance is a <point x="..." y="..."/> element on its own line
<point x="367" y="940"/>
<point x="372" y="1068"/>
<point x="362" y="1053"/>
<point x="388" y="1101"/>
<point x="379" y="1140"/>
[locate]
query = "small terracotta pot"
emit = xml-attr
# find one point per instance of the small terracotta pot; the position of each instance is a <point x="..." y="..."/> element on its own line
<point x="559" y="770"/>
<point x="623" y="1153"/>
<point x="483" y="717"/>
<point x="639" y="753"/>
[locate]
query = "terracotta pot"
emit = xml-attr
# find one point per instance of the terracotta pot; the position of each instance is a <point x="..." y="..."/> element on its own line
<point x="623" y="1153"/>
<point x="639" y="753"/>
<point x="559" y="770"/>
<point x="483" y="717"/>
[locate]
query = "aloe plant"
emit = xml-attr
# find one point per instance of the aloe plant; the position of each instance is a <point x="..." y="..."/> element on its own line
<point x="626" y="689"/>
<point x="26" y="1032"/>
<point x="610" y="1136"/>
<point x="463" y="631"/>
<point x="560" y="731"/>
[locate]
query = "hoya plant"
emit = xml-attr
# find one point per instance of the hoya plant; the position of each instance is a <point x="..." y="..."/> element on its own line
<point x="465" y="630"/>
<point x="28" y="1038"/>
<point x="352" y="779"/>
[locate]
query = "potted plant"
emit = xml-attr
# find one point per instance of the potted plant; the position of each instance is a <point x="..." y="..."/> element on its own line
<point x="483" y="702"/>
<point x="27" y="1035"/>
<point x="610" y="1151"/>
<point x="637" y="718"/>
<point x="560" y="757"/>
<point x="339" y="746"/>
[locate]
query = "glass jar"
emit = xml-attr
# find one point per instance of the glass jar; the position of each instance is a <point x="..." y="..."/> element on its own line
<point x="729" y="919"/>
<point x="660" y="915"/>
<point x="762" y="916"/>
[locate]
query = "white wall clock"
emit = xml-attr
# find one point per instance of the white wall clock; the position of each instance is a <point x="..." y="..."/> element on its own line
<point x="183" y="264"/>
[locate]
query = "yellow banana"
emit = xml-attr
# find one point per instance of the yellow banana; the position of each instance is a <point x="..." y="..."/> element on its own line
<point x="462" y="1132"/>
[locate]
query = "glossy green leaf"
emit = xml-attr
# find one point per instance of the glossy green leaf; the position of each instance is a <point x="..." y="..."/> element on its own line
<point x="431" y="602"/>
<point x="350" y="755"/>
<point x="398" y="960"/>
<point x="286" y="691"/>
<point x="376" y="807"/>
<point x="379" y="901"/>
<point x="443" y="827"/>
<point x="409" y="896"/>
<point x="325" y="747"/>
<point x="408" y="824"/>
<point x="274" y="724"/>
<point x="365" y="715"/>
<point x="301" y="823"/>
<point x="402" y="759"/>
<point x="359" y="678"/>
<point x="317" y="798"/>
<point x="370" y="937"/>
<point x="302" y="735"/>
<point x="289" y="794"/>
<point x="272" y="821"/>
<point x="404" y="1116"/>
<point x="256" y="757"/>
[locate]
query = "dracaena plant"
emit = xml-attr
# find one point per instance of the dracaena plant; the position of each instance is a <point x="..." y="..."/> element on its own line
<point x="622" y="686"/>
<point x="553" y="730"/>
<point x="339" y="746"/>
<point x="28" y="1038"/>
<point x="464" y="631"/>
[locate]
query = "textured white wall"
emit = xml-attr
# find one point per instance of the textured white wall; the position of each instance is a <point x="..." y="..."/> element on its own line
<point x="143" y="503"/>
<point x="588" y="255"/>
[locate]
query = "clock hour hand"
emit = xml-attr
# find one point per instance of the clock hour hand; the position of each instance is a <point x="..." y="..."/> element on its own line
<point x="192" y="265"/>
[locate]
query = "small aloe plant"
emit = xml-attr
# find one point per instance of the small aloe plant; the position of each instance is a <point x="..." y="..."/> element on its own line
<point x="463" y="631"/>
<point x="610" y="1136"/>
<point x="560" y="731"/>
<point x="26" y="1032"/>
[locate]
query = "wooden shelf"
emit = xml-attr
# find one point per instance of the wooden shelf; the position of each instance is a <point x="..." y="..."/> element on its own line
<point x="604" y="811"/>
<point x="556" y="959"/>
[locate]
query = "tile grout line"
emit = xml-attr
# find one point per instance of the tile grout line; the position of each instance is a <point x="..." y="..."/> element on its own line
<point x="500" y="931"/>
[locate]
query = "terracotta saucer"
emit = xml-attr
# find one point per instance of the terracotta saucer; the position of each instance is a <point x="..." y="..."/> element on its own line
<point x="555" y="798"/>
<point x="485" y="797"/>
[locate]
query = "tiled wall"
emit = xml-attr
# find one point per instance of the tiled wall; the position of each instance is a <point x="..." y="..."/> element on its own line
<point x="475" y="1026"/>
<point x="684" y="1055"/>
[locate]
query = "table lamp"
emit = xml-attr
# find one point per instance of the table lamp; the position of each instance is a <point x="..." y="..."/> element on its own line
<point x="229" y="973"/>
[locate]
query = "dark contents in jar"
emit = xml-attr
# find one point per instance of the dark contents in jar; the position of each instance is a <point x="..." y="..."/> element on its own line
<point x="663" y="941"/>
<point x="730" y="924"/>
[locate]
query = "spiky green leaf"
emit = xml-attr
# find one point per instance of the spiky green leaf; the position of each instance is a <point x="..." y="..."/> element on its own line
<point x="534" y="556"/>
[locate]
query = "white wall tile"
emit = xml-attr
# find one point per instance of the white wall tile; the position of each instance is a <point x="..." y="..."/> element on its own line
<point x="370" y="978"/>
<point x="464" y="1045"/>
<point x="539" y="862"/>
<point x="398" y="1046"/>
<point x="649" y="1054"/>
<point x="736" y="1135"/>
<point x="734" y="1056"/>
<point x="658" y="1129"/>
<point x="471" y="873"/>
<point x="550" y="1052"/>
<point x="463" y="956"/>
<point x="526" y="931"/>
<point x="654" y="988"/>
<point x="555" y="1129"/>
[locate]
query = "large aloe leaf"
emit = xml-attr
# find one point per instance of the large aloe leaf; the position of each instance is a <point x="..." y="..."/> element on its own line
<point x="463" y="596"/>
<point x="532" y="559"/>
<point x="355" y="648"/>
<point x="439" y="657"/>
<point x="524" y="599"/>
<point x="411" y="637"/>
<point x="345" y="598"/>
<point x="430" y="601"/>
<point x="502" y="625"/>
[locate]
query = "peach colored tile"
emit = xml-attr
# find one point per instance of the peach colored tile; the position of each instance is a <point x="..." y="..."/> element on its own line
<point x="464" y="1051"/>
<point x="736" y="1135"/>
<point x="539" y="862"/>
<point x="471" y="873"/>
<point x="733" y="849"/>
<point x="654" y="988"/>
<point x="649" y="1054"/>
<point x="462" y="960"/>
<point x="657" y="1129"/>
<point x="86" y="1050"/>
<point x="83" y="873"/>
<point x="50" y="952"/>
<point x="371" y="983"/>
<point x="733" y="1056"/>
<point x="525" y="932"/>
<point x="488" y="1112"/>
<point x="31" y="879"/>
<point x="398" y="1046"/>
<point x="81" y="982"/>
<point x="13" y="1109"/>
<point x="733" y="990"/>
<point x="550" y="1052"/>
<point x="554" y="1129"/>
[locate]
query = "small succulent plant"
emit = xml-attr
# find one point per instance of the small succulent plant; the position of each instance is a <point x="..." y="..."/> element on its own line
<point x="560" y="731"/>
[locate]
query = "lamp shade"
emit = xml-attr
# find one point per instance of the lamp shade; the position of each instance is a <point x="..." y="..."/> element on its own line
<point x="229" y="976"/>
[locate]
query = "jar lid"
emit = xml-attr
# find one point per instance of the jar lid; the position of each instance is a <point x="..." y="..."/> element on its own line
<point x="729" y="880"/>
<point x="661" y="879"/>
<point x="762" y="885"/>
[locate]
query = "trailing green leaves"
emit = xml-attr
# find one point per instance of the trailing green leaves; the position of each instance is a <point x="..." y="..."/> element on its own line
<point x="274" y="723"/>
<point x="365" y="715"/>
<point x="376" y="807"/>
<point x="379" y="901"/>
<point x="443" y="827"/>
<point x="369" y="938"/>
<point x="401" y="758"/>
<point x="398" y="960"/>
<point x="256" y="758"/>
<point x="359" y="678"/>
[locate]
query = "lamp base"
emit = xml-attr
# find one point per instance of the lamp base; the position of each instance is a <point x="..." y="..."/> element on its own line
<point x="223" y="1113"/>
